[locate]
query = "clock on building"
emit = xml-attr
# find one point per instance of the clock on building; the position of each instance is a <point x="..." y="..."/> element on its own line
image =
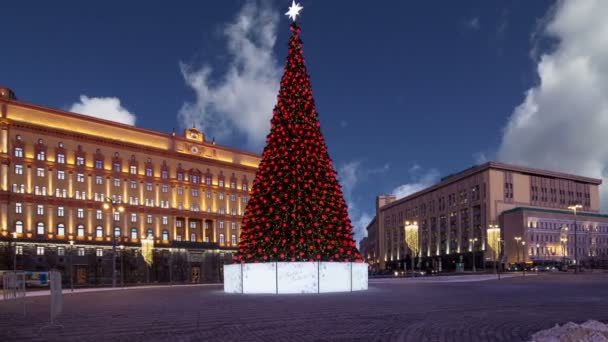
<point x="194" y="149"/>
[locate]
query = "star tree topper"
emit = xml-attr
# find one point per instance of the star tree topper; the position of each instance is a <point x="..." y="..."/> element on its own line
<point x="294" y="10"/>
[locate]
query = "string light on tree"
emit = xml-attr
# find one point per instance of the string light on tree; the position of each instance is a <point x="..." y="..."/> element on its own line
<point x="296" y="210"/>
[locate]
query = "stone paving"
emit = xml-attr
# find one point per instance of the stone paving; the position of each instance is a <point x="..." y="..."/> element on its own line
<point x="507" y="310"/>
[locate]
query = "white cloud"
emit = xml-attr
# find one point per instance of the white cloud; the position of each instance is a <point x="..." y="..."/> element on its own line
<point x="108" y="108"/>
<point x="350" y="175"/>
<point x="562" y="122"/>
<point x="473" y="24"/>
<point x="242" y="99"/>
<point x="480" y="158"/>
<point x="418" y="181"/>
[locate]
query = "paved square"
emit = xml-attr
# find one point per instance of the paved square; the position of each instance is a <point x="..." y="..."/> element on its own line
<point x="396" y="310"/>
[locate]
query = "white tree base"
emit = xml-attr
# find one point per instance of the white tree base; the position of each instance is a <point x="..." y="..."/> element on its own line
<point x="295" y="277"/>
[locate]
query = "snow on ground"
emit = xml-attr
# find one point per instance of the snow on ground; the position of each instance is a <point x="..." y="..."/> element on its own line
<point x="590" y="331"/>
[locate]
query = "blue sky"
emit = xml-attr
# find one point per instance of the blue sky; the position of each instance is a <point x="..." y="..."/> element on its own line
<point x="406" y="91"/>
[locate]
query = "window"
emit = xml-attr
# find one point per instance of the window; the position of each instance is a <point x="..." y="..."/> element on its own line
<point x="80" y="213"/>
<point x="149" y="233"/>
<point x="164" y="188"/>
<point x="221" y="183"/>
<point x="194" y="179"/>
<point x="98" y="164"/>
<point x="133" y="233"/>
<point x="80" y="251"/>
<point x="133" y="169"/>
<point x="116" y="182"/>
<point x="221" y="224"/>
<point x="40" y="209"/>
<point x="18" y="208"/>
<point x="61" y="251"/>
<point x="222" y="238"/>
<point x="99" y="252"/>
<point x="133" y="185"/>
<point x="41" y="155"/>
<point x="18" y="169"/>
<point x="149" y="219"/>
<point x="60" y="174"/>
<point x="192" y="224"/>
<point x="244" y="186"/>
<point x="60" y="158"/>
<point x="149" y="186"/>
<point x="208" y="194"/>
<point x="233" y="197"/>
<point x="178" y="223"/>
<point x="208" y="180"/>
<point x="192" y="237"/>
<point x="194" y="192"/>
<point x="40" y="228"/>
<point x="80" y="230"/>
<point x="178" y="238"/>
<point x="39" y="250"/>
<point x="206" y="224"/>
<point x="233" y="225"/>
<point x="60" y="229"/>
<point x="233" y="239"/>
<point x="60" y="211"/>
<point x="180" y="176"/>
<point x="180" y="190"/>
<point x="149" y="172"/>
<point x="116" y="167"/>
<point x="233" y="185"/>
<point x="18" y="152"/>
<point x="164" y="174"/>
<point x="80" y="177"/>
<point x="40" y="172"/>
<point x="19" y="227"/>
<point x="165" y="220"/>
<point x="79" y="161"/>
<point x="165" y="235"/>
<point x="116" y="231"/>
<point x="116" y="216"/>
<point x="244" y="199"/>
<point x="98" y="180"/>
<point x="221" y="196"/>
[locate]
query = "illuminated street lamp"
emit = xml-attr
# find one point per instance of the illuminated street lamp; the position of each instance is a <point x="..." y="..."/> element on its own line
<point x="518" y="240"/>
<point x="411" y="239"/>
<point x="574" y="208"/>
<point x="472" y="244"/>
<point x="122" y="266"/>
<point x="564" y="241"/>
<point x="115" y="206"/>
<point x="14" y="234"/>
<point x="71" y="266"/>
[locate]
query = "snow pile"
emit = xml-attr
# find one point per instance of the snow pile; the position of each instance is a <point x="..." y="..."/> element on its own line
<point x="590" y="331"/>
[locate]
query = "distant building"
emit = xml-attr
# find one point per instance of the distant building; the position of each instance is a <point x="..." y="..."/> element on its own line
<point x="477" y="214"/>
<point x="57" y="169"/>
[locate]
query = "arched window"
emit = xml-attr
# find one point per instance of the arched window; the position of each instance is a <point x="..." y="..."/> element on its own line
<point x="40" y="228"/>
<point x="116" y="231"/>
<point x="80" y="230"/>
<point x="99" y="232"/>
<point x="149" y="233"/>
<point x="60" y="229"/>
<point x="133" y="233"/>
<point x="165" y="235"/>
<point x="19" y="227"/>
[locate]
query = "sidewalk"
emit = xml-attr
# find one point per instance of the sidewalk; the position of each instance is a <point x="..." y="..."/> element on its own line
<point x="448" y="279"/>
<point x="40" y="293"/>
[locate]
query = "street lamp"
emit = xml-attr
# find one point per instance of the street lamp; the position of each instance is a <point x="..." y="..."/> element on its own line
<point x="14" y="234"/>
<point x="472" y="244"/>
<point x="122" y="267"/>
<point x="517" y="239"/>
<point x="564" y="240"/>
<point x="115" y="206"/>
<point x="523" y="256"/>
<point x="493" y="236"/>
<point x="574" y="208"/>
<point x="71" y="266"/>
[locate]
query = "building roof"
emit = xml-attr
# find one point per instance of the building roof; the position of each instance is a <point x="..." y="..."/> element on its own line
<point x="554" y="211"/>
<point x="452" y="178"/>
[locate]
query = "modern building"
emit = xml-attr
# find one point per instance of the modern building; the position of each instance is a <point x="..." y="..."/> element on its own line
<point x="58" y="169"/>
<point x="489" y="213"/>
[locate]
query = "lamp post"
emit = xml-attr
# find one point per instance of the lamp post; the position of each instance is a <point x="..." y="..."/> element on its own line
<point x="115" y="206"/>
<point x="574" y="208"/>
<point x="564" y="240"/>
<point x="472" y="246"/>
<point x="71" y="266"/>
<point x="14" y="234"/>
<point x="171" y="266"/>
<point x="517" y="239"/>
<point x="523" y="256"/>
<point x="122" y="266"/>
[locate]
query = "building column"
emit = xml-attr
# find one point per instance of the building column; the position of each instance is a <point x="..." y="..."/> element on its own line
<point x="187" y="229"/>
<point x="4" y="216"/>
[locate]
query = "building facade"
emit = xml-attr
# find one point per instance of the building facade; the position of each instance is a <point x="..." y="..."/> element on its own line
<point x="57" y="169"/>
<point x="488" y="213"/>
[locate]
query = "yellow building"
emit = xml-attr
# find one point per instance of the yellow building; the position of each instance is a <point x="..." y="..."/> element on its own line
<point x="57" y="169"/>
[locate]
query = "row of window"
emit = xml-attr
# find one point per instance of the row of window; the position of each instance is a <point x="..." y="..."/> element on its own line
<point x="570" y="226"/>
<point x="60" y="158"/>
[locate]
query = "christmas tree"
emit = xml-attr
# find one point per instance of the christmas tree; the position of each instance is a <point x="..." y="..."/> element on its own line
<point x="296" y="210"/>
